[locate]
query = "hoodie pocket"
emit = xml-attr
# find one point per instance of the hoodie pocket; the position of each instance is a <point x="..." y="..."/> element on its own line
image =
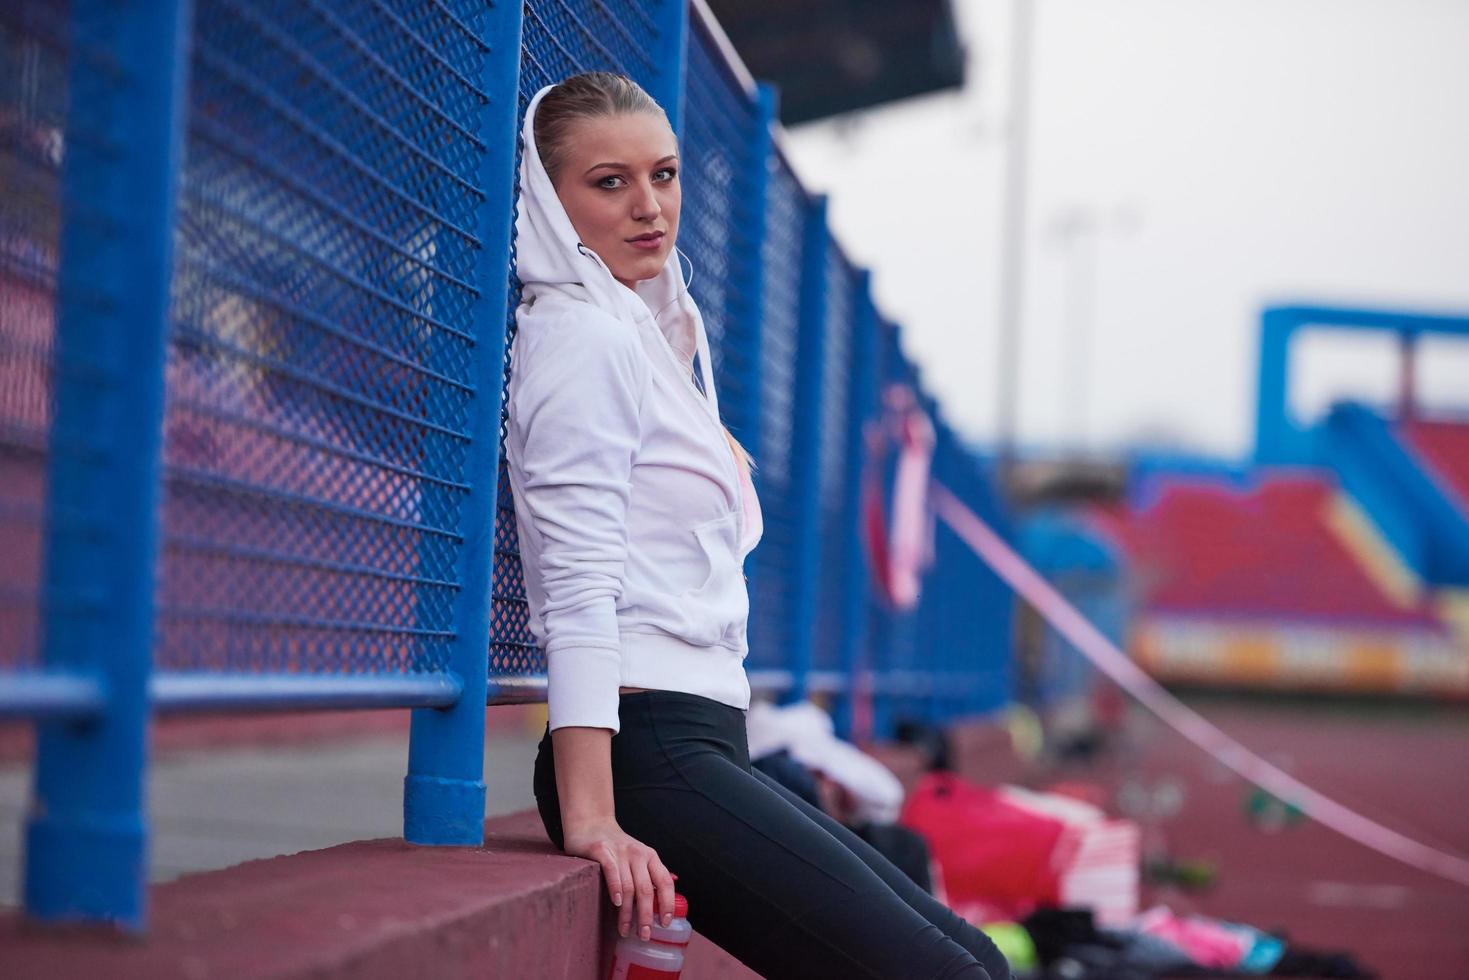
<point x="721" y="603"/>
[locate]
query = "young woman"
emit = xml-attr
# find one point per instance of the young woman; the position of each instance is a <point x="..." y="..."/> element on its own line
<point x="635" y="511"/>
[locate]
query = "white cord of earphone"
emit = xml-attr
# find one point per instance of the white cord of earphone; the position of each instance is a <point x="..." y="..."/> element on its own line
<point x="683" y="283"/>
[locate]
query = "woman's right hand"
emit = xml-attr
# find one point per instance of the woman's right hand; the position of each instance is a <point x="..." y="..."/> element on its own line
<point x="631" y="869"/>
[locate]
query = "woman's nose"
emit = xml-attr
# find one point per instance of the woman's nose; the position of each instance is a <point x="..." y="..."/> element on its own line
<point x="645" y="203"/>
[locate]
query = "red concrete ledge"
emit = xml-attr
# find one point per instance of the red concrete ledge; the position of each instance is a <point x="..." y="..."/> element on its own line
<point x="515" y="908"/>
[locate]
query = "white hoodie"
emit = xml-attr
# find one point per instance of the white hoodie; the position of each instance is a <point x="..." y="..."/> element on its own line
<point x="634" y="515"/>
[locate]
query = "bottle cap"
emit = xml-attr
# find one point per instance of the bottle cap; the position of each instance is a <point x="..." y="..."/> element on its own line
<point x="680" y="906"/>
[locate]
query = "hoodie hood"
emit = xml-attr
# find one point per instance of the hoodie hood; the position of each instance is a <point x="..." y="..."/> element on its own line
<point x="549" y="255"/>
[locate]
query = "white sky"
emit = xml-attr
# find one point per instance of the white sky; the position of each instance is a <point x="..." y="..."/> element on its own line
<point x="1231" y="152"/>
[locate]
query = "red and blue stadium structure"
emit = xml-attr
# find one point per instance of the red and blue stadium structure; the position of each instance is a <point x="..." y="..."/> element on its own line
<point x="1337" y="559"/>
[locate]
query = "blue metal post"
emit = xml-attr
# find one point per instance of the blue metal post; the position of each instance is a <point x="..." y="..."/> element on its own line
<point x="806" y="435"/>
<point x="856" y="584"/>
<point x="444" y="791"/>
<point x="672" y="59"/>
<point x="749" y="416"/>
<point x="752" y="296"/>
<point x="86" y="843"/>
<point x="1276" y="437"/>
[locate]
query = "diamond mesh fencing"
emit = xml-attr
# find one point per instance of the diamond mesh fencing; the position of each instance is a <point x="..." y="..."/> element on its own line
<point x="950" y="655"/>
<point x="838" y="442"/>
<point x="329" y="336"/>
<point x="967" y="612"/>
<point x="770" y="592"/>
<point x="563" y="38"/>
<point x="724" y="164"/>
<point x="558" y="39"/>
<point x="320" y="389"/>
<point x="318" y="382"/>
<point x="33" y="94"/>
<point x="718" y="224"/>
<point x="785" y="224"/>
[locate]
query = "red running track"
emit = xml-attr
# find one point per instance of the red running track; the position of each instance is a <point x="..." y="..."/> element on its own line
<point x="1406" y="766"/>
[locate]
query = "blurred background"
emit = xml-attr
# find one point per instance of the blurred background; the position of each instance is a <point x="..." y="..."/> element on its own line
<point x="1191" y="275"/>
<point x="1186" y="163"/>
<point x="1171" y="294"/>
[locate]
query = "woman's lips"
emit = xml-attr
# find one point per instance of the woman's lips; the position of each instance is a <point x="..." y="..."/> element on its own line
<point x="649" y="244"/>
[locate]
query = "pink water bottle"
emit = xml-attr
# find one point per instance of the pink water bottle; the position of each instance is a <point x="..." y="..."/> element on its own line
<point x="659" y="957"/>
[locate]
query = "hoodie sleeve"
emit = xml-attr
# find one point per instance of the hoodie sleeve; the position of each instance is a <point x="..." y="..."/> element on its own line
<point x="575" y="411"/>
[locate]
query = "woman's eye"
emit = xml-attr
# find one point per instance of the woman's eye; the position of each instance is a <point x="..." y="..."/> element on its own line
<point x="667" y="173"/>
<point x="604" y="181"/>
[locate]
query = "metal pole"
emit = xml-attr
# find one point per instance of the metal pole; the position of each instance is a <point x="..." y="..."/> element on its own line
<point x="86" y="841"/>
<point x="856" y="583"/>
<point x="1407" y="375"/>
<point x="672" y="56"/>
<point x="444" y="790"/>
<point x="1013" y="238"/>
<point x="1077" y="233"/>
<point x="746" y="418"/>
<point x="806" y="436"/>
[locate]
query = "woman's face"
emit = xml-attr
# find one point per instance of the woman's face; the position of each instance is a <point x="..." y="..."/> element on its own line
<point x="619" y="184"/>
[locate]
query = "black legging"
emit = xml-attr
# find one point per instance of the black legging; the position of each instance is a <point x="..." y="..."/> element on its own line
<point x="780" y="885"/>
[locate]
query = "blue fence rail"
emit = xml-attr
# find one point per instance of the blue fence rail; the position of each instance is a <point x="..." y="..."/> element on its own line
<point x="256" y="273"/>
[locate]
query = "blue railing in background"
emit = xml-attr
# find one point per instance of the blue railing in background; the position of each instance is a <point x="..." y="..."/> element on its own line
<point x="1414" y="513"/>
<point x="1280" y="437"/>
<point x="248" y="424"/>
<point x="1417" y="517"/>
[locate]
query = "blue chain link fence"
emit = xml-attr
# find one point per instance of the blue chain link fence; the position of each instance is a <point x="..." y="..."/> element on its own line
<point x="34" y="48"/>
<point x="256" y="278"/>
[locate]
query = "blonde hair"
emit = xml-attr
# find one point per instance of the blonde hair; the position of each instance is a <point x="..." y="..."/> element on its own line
<point x="741" y="453"/>
<point x="597" y="95"/>
<point x="590" y="95"/>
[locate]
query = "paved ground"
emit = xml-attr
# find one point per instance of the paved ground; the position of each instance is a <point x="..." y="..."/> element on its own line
<point x="217" y="807"/>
